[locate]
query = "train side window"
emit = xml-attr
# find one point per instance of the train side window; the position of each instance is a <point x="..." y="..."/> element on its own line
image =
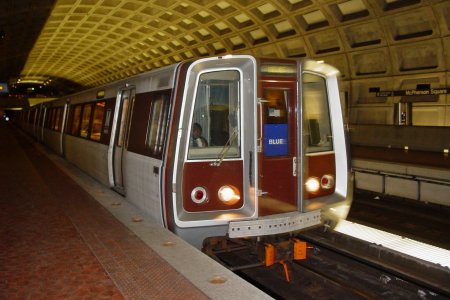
<point x="107" y="123"/>
<point x="215" y="124"/>
<point x="68" y="126"/>
<point x="32" y="115"/>
<point x="316" y="116"/>
<point x="61" y="117"/>
<point x="52" y="124"/>
<point x="57" y="119"/>
<point x="138" y="121"/>
<point x="54" y="118"/>
<point x="96" y="128"/>
<point x="122" y="129"/>
<point x="156" y="129"/>
<point x="50" y="118"/>
<point x="48" y="123"/>
<point x="76" y="120"/>
<point x="109" y="113"/>
<point x="85" y="120"/>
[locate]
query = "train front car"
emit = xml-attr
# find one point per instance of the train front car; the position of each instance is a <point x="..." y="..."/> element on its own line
<point x="256" y="147"/>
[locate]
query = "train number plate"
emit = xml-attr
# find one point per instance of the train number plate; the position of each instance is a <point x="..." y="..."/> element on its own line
<point x="275" y="224"/>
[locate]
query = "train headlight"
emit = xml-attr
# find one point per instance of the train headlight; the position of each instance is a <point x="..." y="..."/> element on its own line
<point x="312" y="184"/>
<point x="228" y="195"/>
<point x="327" y="182"/>
<point x="199" y="195"/>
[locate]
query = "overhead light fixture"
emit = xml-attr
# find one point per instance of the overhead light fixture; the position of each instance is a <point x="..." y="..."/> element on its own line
<point x="34" y="80"/>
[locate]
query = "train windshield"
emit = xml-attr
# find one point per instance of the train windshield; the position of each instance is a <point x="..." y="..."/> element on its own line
<point x="215" y="126"/>
<point x="317" y="125"/>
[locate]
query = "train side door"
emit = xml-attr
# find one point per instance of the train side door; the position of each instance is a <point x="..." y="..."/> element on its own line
<point x="44" y="117"/>
<point x="119" y="140"/>
<point x="278" y="148"/>
<point x="62" y="130"/>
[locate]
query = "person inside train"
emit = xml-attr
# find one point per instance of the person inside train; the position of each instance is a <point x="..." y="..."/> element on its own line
<point x="197" y="139"/>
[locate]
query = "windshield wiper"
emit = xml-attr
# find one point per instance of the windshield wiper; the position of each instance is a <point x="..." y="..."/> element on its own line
<point x="225" y="149"/>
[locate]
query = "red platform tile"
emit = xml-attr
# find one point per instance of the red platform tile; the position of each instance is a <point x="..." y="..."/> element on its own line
<point x="58" y="243"/>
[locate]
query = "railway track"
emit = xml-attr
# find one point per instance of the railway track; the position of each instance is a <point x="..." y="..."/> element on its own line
<point x="337" y="266"/>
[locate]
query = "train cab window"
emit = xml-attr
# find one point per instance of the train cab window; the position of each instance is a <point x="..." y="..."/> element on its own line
<point x="316" y="120"/>
<point x="76" y="120"/>
<point x="86" y="117"/>
<point x="215" y="124"/>
<point x="96" y="128"/>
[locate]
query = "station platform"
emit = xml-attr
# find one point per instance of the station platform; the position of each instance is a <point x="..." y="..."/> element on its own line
<point x="65" y="236"/>
<point x="392" y="155"/>
<point x="417" y="175"/>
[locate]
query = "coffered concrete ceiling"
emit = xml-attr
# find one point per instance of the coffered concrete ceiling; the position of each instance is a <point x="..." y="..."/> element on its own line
<point x="93" y="42"/>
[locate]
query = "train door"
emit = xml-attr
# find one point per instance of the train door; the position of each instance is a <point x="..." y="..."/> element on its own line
<point x="44" y="116"/>
<point x="278" y="143"/>
<point x="119" y="142"/>
<point x="62" y="128"/>
<point x="39" y="124"/>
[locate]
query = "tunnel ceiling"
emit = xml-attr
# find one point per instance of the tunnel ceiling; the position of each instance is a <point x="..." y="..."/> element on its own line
<point x="93" y="42"/>
<point x="21" y="22"/>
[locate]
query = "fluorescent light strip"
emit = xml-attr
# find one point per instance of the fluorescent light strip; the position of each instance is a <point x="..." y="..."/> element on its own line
<point x="398" y="243"/>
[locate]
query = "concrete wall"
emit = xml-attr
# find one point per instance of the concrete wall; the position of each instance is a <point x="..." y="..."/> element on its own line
<point x="423" y="138"/>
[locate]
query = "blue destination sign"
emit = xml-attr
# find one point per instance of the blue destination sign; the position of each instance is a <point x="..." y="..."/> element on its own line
<point x="276" y="140"/>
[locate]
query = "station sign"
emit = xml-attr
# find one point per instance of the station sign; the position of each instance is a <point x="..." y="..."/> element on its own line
<point x="425" y="92"/>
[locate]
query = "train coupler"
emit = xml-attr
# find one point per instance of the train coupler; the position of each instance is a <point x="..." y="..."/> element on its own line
<point x="283" y="253"/>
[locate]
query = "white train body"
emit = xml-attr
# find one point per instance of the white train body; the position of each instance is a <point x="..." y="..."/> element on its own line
<point x="272" y="157"/>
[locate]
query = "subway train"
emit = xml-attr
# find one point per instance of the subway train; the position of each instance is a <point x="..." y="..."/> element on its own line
<point x="232" y="146"/>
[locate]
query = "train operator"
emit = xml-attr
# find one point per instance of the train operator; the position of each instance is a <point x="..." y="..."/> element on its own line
<point x="197" y="139"/>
